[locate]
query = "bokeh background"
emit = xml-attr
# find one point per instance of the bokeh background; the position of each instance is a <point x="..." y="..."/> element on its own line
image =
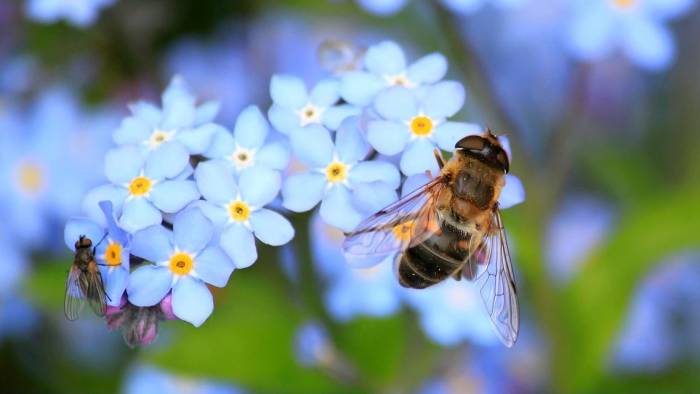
<point x="600" y="100"/>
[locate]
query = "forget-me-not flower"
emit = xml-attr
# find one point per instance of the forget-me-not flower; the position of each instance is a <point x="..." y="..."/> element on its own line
<point x="112" y="250"/>
<point x="142" y="190"/>
<point x="451" y="312"/>
<point x="237" y="209"/>
<point x="249" y="146"/>
<point x="184" y="260"/>
<point x="180" y="120"/>
<point x="382" y="7"/>
<point x="145" y="379"/>
<point x="294" y="107"/>
<point x="351" y="292"/>
<point x="414" y="122"/>
<point x="385" y="66"/>
<point x="637" y="27"/>
<point x="348" y="188"/>
<point x="470" y="6"/>
<point x="80" y="13"/>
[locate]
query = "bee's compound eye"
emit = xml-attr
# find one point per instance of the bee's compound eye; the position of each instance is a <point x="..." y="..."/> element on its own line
<point x="83" y="242"/>
<point x="471" y="142"/>
<point x="502" y="159"/>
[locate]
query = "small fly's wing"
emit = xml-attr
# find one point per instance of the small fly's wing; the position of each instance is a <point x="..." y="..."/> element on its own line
<point x="498" y="289"/>
<point x="96" y="295"/>
<point x="74" y="300"/>
<point x="406" y="222"/>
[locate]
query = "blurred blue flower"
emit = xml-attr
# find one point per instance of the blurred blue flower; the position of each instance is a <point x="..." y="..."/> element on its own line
<point x="351" y="291"/>
<point x="414" y="122"/>
<point x="312" y="346"/>
<point x="382" y="7"/>
<point x="386" y="66"/>
<point x="237" y="209"/>
<point x="294" y="107"/>
<point x="48" y="153"/>
<point x="81" y="13"/>
<point x="184" y="259"/>
<point x="247" y="147"/>
<point x="451" y="312"/>
<point x="218" y="69"/>
<point x="470" y="6"/>
<point x="148" y="380"/>
<point x="580" y="224"/>
<point x="180" y="120"/>
<point x="637" y="27"/>
<point x="663" y="320"/>
<point x="142" y="190"/>
<point x="348" y="187"/>
<point x="112" y="250"/>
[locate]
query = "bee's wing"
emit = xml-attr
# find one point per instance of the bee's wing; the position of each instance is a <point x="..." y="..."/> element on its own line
<point x="96" y="295"/>
<point x="498" y="289"/>
<point x="74" y="300"/>
<point x="375" y="238"/>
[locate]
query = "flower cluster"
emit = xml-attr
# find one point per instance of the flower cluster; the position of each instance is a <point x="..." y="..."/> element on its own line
<point x="186" y="198"/>
<point x="184" y="202"/>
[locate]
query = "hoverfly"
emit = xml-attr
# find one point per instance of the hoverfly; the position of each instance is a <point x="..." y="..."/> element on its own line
<point x="84" y="282"/>
<point x="451" y="227"/>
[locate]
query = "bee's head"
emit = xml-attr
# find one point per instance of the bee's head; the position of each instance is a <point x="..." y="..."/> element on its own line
<point x="485" y="148"/>
<point x="83" y="242"/>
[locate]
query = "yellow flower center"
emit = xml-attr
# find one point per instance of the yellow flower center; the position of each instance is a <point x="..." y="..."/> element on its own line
<point x="310" y="114"/>
<point x="140" y="186"/>
<point x="625" y="4"/>
<point x="421" y="126"/>
<point x="399" y="80"/>
<point x="158" y="137"/>
<point x="239" y="211"/>
<point x="31" y="178"/>
<point x="404" y="231"/>
<point x="336" y="172"/>
<point x="113" y="254"/>
<point x="181" y="263"/>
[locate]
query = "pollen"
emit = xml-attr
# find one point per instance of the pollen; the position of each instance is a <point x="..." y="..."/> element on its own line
<point x="158" y="137"/>
<point x="336" y="172"/>
<point x="625" y="4"/>
<point x="404" y="231"/>
<point x="239" y="211"/>
<point x="31" y="178"/>
<point x="310" y="114"/>
<point x="421" y="126"/>
<point x="181" y="263"/>
<point x="113" y="254"/>
<point x="140" y="186"/>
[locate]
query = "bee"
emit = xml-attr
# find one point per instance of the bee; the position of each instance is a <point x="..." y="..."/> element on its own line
<point x="84" y="282"/>
<point x="451" y="227"/>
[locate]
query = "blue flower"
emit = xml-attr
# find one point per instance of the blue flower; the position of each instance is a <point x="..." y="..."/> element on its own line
<point x="312" y="345"/>
<point x="112" y="250"/>
<point x="382" y="7"/>
<point x="180" y="120"/>
<point x="451" y="312"/>
<point x="636" y="27"/>
<point x="350" y="292"/>
<point x="142" y="190"/>
<point x="470" y="6"/>
<point x="48" y="154"/>
<point x="184" y="259"/>
<point x="147" y="380"/>
<point x="348" y="187"/>
<point x="247" y="147"/>
<point x="386" y="66"/>
<point x="294" y="107"/>
<point x="237" y="208"/>
<point x="14" y="267"/>
<point x="80" y="13"/>
<point x="414" y="122"/>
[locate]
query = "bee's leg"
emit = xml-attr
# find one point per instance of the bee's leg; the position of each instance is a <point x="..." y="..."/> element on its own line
<point x="439" y="158"/>
<point x="94" y="249"/>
